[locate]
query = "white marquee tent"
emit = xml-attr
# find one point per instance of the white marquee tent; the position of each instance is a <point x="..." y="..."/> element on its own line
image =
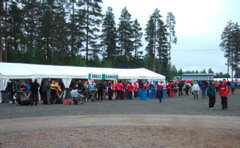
<point x="10" y="71"/>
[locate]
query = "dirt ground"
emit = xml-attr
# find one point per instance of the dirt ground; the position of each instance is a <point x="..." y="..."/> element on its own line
<point x="162" y="137"/>
<point x="122" y="131"/>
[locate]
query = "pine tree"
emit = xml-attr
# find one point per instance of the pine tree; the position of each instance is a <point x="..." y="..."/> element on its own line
<point x="125" y="38"/>
<point x="62" y="55"/>
<point x="162" y="48"/>
<point x="137" y="43"/>
<point x="91" y="27"/>
<point x="1" y="30"/>
<point x="14" y="25"/>
<point x="230" y="45"/>
<point x="109" y="38"/>
<point x="156" y="35"/>
<point x="171" y="32"/>
<point x="151" y="38"/>
<point x="30" y="12"/>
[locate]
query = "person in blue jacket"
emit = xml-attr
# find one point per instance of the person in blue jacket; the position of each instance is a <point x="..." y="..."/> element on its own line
<point x="232" y="86"/>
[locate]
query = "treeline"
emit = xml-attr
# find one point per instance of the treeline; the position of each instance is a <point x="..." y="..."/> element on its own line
<point x="77" y="32"/>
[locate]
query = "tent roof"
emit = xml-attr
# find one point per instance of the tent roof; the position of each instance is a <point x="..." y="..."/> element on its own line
<point x="22" y="70"/>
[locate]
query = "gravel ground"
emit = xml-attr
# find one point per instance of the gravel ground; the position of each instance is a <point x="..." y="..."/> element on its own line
<point x="183" y="105"/>
<point x="176" y="122"/>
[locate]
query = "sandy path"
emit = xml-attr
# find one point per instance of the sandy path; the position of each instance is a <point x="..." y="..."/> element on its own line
<point x="121" y="131"/>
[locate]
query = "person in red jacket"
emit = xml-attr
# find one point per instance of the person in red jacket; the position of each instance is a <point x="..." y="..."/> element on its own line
<point x="130" y="90"/>
<point x="119" y="87"/>
<point x="135" y="89"/>
<point x="223" y="92"/>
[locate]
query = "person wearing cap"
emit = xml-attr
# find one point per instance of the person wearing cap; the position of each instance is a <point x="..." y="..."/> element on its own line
<point x="211" y="93"/>
<point x="34" y="90"/>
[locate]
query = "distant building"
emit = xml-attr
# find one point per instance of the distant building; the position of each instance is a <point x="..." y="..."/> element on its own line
<point x="198" y="76"/>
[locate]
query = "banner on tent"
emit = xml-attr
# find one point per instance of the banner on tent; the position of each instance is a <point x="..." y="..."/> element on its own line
<point x="102" y="77"/>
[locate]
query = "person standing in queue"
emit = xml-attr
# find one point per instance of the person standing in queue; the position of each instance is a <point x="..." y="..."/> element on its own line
<point x="47" y="87"/>
<point x="211" y="93"/>
<point x="130" y="90"/>
<point x="110" y="90"/>
<point x="180" y="88"/>
<point x="224" y="92"/>
<point x="34" y="90"/>
<point x="135" y="89"/>
<point x="119" y="88"/>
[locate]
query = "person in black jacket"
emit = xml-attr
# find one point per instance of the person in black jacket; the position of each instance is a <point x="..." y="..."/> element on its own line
<point x="34" y="90"/>
<point x="180" y="88"/>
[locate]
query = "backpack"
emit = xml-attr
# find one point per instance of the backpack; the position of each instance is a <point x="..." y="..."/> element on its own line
<point x="68" y="102"/>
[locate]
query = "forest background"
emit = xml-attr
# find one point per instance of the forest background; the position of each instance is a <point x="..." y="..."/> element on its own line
<point x="76" y="32"/>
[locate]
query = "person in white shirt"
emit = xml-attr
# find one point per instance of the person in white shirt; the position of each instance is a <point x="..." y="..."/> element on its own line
<point x="195" y="90"/>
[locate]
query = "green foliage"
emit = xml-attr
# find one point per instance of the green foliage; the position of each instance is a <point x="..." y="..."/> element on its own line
<point x="68" y="33"/>
<point x="125" y="36"/>
<point x="108" y="39"/>
<point x="210" y="70"/>
<point x="156" y="36"/>
<point x="231" y="44"/>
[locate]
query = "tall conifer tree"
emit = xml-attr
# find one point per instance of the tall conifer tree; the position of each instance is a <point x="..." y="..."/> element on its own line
<point x="125" y="37"/>
<point x="109" y="37"/>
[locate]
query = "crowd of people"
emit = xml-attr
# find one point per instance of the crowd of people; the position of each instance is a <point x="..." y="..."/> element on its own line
<point x="28" y="93"/>
<point x="51" y="91"/>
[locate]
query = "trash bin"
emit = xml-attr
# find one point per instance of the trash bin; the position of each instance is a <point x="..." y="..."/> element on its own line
<point x="164" y="94"/>
<point x="151" y="93"/>
<point x="143" y="94"/>
<point x="5" y="96"/>
<point x="139" y="93"/>
<point x="68" y="94"/>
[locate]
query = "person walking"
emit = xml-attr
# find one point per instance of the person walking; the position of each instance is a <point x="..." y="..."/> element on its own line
<point x="34" y="90"/>
<point x="159" y="92"/>
<point x="224" y="92"/>
<point x="204" y="87"/>
<point x="232" y="86"/>
<point x="195" y="89"/>
<point x="211" y="93"/>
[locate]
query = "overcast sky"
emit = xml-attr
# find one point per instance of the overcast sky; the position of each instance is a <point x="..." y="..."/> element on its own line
<point x="199" y="25"/>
